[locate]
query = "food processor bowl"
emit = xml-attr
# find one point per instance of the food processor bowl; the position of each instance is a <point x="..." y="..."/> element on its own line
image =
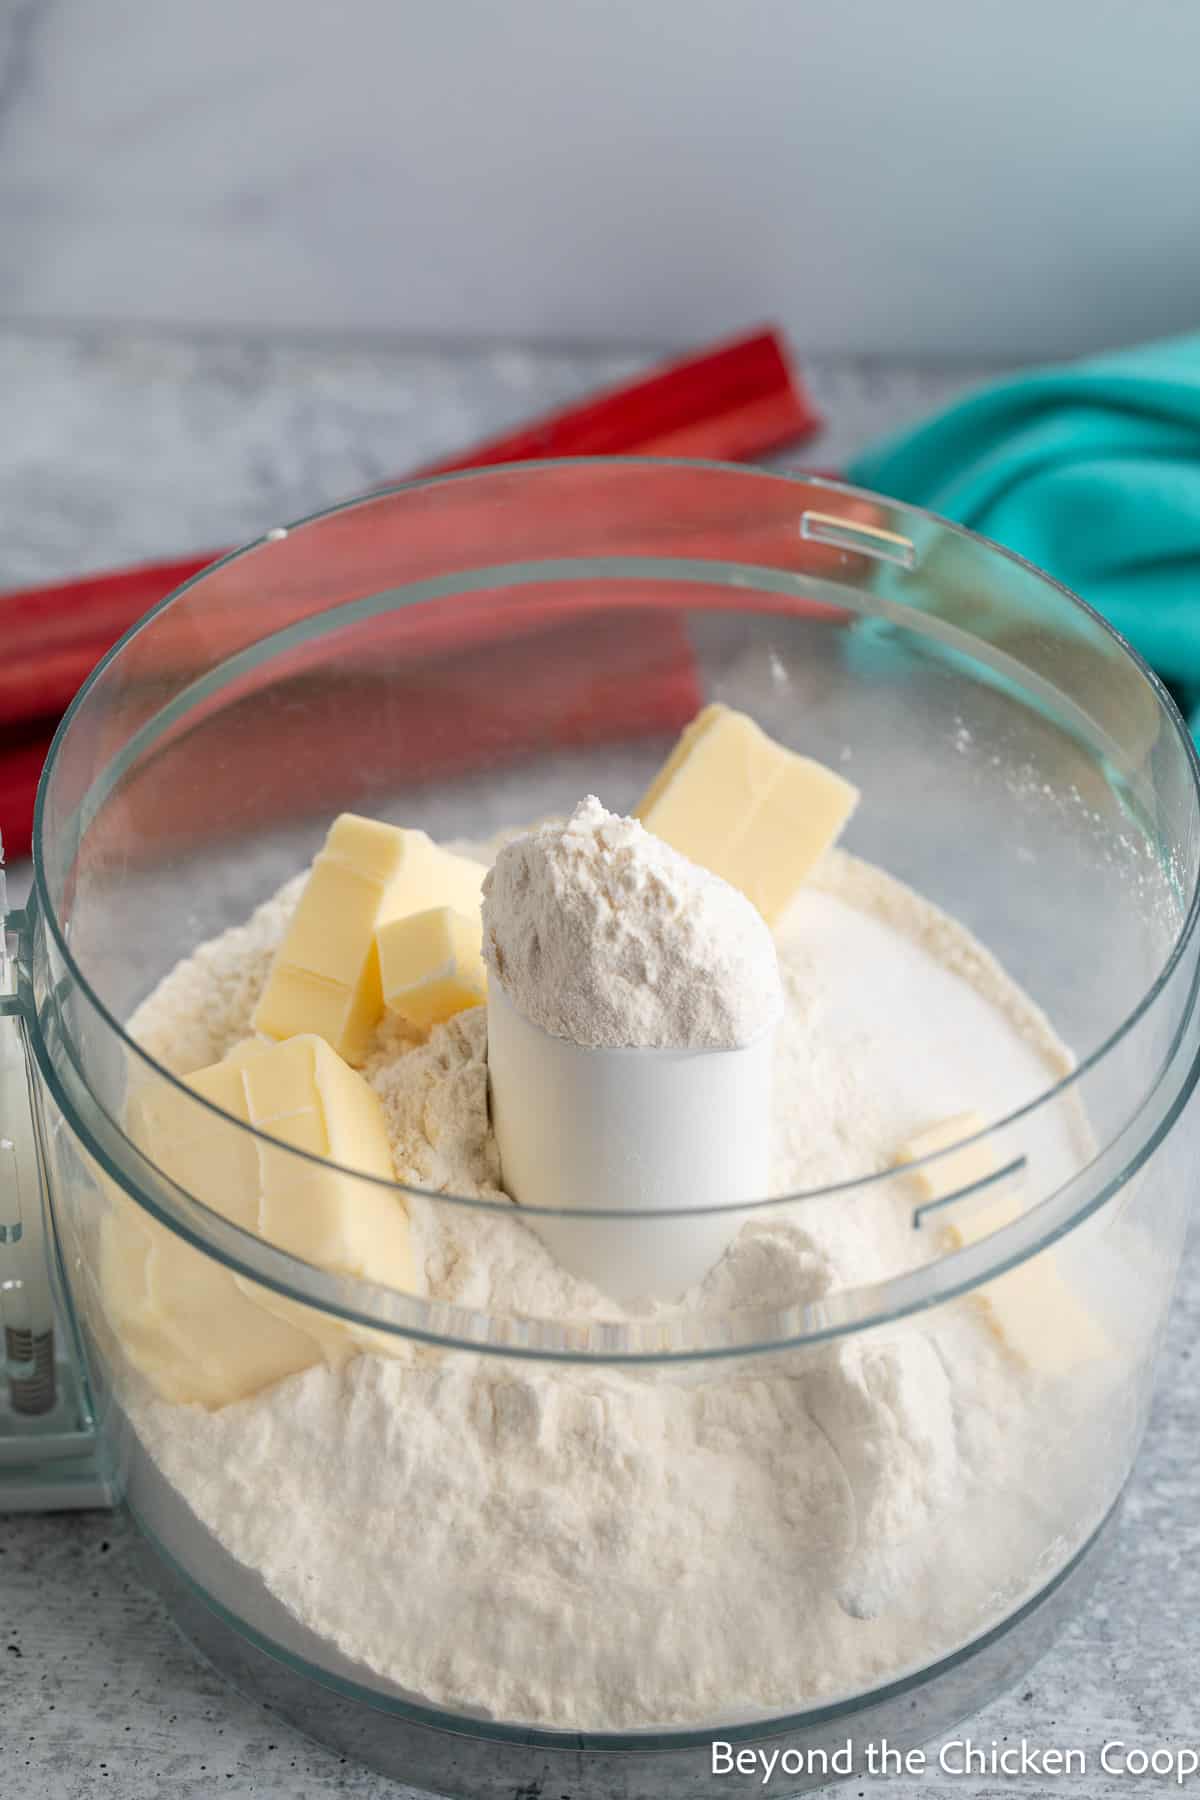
<point x="476" y="652"/>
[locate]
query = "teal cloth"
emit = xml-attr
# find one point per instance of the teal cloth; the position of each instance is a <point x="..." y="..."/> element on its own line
<point x="1091" y="471"/>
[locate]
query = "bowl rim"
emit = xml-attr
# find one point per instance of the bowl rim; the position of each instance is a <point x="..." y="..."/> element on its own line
<point x="262" y="1262"/>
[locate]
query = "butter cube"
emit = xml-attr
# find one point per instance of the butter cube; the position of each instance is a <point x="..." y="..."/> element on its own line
<point x="241" y="1053"/>
<point x="196" y="1148"/>
<point x="126" y="1241"/>
<point x="1038" y="1318"/>
<point x="281" y="1090"/>
<point x="305" y="1096"/>
<point x="731" y="799"/>
<point x="196" y="1329"/>
<point x="325" y="976"/>
<point x="431" y="965"/>
<point x="960" y="1167"/>
<point x="186" y="1323"/>
<point x="222" y="1343"/>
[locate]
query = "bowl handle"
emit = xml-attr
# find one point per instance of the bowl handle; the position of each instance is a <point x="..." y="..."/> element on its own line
<point x="48" y="1442"/>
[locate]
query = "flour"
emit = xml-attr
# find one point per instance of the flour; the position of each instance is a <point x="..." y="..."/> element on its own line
<point x="606" y="1547"/>
<point x="435" y="1097"/>
<point x="603" y="934"/>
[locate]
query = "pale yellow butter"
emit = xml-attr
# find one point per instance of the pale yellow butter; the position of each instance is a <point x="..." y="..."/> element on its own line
<point x="731" y="799"/>
<point x="196" y="1329"/>
<point x="183" y="1320"/>
<point x="303" y="1094"/>
<point x="325" y="976"/>
<point x="431" y="965"/>
<point x="960" y="1164"/>
<point x="1036" y="1315"/>
<point x="195" y="1147"/>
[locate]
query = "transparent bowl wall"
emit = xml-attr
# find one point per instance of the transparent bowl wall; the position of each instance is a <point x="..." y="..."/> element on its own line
<point x="479" y="652"/>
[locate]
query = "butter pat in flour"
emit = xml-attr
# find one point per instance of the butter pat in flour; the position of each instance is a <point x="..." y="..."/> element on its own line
<point x="325" y="976"/>
<point x="961" y="1164"/>
<point x="1036" y="1315"/>
<point x="197" y="1333"/>
<point x="196" y="1329"/>
<point x="302" y="1093"/>
<point x="431" y="965"/>
<point x="731" y="799"/>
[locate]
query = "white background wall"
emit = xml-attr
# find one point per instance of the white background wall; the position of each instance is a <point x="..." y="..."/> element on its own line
<point x="937" y="177"/>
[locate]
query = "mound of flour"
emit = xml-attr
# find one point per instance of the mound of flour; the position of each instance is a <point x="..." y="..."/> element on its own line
<point x="601" y="933"/>
<point x="606" y="1547"/>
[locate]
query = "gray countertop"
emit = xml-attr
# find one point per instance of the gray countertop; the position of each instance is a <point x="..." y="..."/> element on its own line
<point x="119" y="446"/>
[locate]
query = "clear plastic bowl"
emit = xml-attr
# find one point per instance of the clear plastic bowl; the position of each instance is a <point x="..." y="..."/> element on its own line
<point x="477" y="652"/>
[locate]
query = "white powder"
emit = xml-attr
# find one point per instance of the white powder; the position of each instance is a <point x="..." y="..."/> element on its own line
<point x="607" y="1547"/>
<point x="603" y="934"/>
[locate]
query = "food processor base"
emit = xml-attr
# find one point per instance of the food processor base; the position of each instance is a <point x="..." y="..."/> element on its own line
<point x="457" y="1758"/>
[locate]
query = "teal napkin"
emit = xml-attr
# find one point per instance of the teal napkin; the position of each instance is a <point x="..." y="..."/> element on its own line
<point x="1091" y="471"/>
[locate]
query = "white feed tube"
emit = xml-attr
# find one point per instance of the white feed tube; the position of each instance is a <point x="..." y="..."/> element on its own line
<point x="633" y="1130"/>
